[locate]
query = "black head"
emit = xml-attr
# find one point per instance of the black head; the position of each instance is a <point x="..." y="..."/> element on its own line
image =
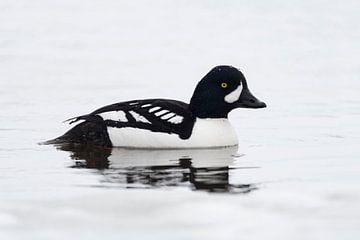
<point x="220" y="91"/>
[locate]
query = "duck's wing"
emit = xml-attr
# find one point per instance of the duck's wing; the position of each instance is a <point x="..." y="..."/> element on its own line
<point x="157" y="115"/>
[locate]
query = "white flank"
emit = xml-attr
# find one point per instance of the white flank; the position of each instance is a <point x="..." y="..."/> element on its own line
<point x="138" y="117"/>
<point x="234" y="95"/>
<point x="206" y="133"/>
<point x="176" y="120"/>
<point x="114" y="115"/>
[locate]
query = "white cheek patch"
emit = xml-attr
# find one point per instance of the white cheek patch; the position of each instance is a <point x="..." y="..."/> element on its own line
<point x="234" y="95"/>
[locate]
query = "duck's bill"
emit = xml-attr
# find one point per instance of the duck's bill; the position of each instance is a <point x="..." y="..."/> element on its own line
<point x="248" y="100"/>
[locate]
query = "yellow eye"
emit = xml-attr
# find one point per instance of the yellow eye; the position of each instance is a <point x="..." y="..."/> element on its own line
<point x="224" y="85"/>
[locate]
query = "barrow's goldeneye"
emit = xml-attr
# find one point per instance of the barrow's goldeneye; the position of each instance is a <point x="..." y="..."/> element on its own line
<point x="166" y="123"/>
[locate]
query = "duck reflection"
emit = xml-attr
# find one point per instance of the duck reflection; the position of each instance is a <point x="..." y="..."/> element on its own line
<point x="201" y="169"/>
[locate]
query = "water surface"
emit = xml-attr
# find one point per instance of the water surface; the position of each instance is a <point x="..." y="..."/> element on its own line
<point x="198" y="169"/>
<point x="295" y="174"/>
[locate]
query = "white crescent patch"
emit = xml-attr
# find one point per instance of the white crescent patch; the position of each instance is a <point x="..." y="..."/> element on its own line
<point x="234" y="95"/>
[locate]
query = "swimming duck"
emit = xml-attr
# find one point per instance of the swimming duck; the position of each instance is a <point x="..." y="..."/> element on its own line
<point x="167" y="123"/>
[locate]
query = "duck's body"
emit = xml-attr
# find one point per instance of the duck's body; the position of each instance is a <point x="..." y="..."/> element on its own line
<point x="165" y="123"/>
<point x="206" y="133"/>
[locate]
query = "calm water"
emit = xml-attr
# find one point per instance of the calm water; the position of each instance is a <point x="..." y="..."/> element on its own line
<point x="204" y="170"/>
<point x="295" y="174"/>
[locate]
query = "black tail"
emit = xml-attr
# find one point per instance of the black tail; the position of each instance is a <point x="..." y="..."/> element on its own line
<point x="88" y="132"/>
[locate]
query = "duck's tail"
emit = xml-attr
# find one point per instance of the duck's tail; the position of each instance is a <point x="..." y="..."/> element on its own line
<point x="87" y="132"/>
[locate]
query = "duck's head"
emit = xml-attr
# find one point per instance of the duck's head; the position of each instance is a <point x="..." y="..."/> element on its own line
<point x="223" y="89"/>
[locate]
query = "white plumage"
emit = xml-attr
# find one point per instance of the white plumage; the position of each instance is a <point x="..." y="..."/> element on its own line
<point x="206" y="133"/>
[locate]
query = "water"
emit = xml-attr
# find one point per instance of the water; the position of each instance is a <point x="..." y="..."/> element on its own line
<point x="206" y="170"/>
<point x="295" y="174"/>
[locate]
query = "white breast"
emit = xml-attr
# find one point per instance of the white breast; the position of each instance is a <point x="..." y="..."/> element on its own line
<point x="206" y="133"/>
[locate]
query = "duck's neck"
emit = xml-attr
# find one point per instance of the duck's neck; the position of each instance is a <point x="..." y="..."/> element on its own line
<point x="202" y="109"/>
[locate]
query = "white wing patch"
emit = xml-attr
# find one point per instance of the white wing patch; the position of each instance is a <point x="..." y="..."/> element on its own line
<point x="146" y="105"/>
<point x="114" y="115"/>
<point x="154" y="109"/>
<point x="234" y="95"/>
<point x="120" y="116"/>
<point x="176" y="119"/>
<point x="168" y="115"/>
<point x="138" y="117"/>
<point x="159" y="113"/>
<point x="147" y="113"/>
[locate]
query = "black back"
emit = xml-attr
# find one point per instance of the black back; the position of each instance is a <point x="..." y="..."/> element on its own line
<point x="156" y="120"/>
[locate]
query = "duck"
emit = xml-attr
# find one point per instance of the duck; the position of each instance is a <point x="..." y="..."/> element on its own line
<point x="166" y="123"/>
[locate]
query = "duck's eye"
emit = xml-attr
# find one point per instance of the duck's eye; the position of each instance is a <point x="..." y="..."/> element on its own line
<point x="224" y="85"/>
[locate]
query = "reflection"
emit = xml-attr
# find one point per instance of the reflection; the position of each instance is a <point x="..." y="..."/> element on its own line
<point x="200" y="169"/>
